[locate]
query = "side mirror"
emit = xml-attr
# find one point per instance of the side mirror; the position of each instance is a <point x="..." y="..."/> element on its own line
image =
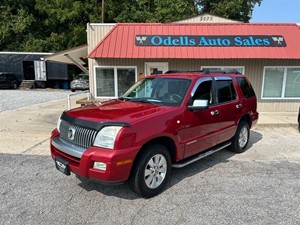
<point x="198" y="105"/>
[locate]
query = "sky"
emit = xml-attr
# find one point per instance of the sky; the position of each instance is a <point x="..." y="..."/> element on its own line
<point x="281" y="11"/>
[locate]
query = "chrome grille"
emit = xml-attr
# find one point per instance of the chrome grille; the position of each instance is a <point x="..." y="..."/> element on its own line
<point x="83" y="137"/>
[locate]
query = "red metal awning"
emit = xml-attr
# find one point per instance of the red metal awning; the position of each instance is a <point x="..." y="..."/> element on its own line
<point x="120" y="42"/>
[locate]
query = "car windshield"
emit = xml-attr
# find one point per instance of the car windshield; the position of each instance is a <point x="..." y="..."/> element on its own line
<point x="160" y="91"/>
<point x="81" y="77"/>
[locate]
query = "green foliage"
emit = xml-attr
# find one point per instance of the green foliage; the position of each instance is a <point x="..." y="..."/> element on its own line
<point x="152" y="10"/>
<point x="55" y="25"/>
<point x="240" y="10"/>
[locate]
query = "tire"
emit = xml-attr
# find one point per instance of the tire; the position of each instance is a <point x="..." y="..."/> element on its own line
<point x="14" y="85"/>
<point x="241" y="138"/>
<point x="151" y="172"/>
<point x="73" y="90"/>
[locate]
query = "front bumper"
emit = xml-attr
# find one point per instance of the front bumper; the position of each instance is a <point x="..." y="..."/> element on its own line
<point x="81" y="161"/>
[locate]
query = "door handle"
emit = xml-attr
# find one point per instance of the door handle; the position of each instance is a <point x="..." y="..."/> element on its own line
<point x="238" y="106"/>
<point x="213" y="113"/>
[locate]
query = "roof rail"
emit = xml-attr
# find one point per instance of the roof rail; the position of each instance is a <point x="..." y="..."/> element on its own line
<point x="205" y="71"/>
<point x="184" y="71"/>
<point x="234" y="71"/>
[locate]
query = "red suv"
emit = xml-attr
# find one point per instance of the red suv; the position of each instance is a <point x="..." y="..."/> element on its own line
<point x="163" y="121"/>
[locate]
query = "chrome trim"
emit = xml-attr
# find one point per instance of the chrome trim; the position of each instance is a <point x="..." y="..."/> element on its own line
<point x="198" y="83"/>
<point x="223" y="78"/>
<point x="200" y="156"/>
<point x="82" y="137"/>
<point x="67" y="147"/>
<point x="191" y="142"/>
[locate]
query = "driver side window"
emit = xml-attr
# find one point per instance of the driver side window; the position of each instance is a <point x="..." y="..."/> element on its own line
<point x="204" y="92"/>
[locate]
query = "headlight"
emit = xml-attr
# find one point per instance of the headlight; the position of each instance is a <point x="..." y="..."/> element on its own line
<point x="106" y="137"/>
<point x="58" y="124"/>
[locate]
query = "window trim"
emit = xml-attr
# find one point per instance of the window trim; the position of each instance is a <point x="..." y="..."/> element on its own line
<point x="225" y="67"/>
<point x="283" y="84"/>
<point x="115" y="79"/>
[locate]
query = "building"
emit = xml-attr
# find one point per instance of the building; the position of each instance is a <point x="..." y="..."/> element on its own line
<point x="269" y="54"/>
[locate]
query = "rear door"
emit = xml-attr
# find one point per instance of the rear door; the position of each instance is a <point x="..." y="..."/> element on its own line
<point x="230" y="107"/>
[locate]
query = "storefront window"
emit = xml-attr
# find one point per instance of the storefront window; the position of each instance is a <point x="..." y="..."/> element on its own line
<point x="114" y="81"/>
<point x="292" y="85"/>
<point x="126" y="78"/>
<point x="273" y="82"/>
<point x="105" y="82"/>
<point x="281" y="82"/>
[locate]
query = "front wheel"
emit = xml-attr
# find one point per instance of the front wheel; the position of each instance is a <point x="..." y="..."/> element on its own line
<point x="14" y="85"/>
<point x="241" y="138"/>
<point x="151" y="171"/>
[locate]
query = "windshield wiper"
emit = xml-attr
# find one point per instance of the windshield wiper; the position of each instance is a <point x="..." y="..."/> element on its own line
<point x="124" y="98"/>
<point x="145" y="100"/>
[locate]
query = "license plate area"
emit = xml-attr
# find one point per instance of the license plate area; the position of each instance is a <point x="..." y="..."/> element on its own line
<point x="62" y="165"/>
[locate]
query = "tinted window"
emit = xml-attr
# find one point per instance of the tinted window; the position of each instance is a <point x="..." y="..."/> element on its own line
<point x="204" y="92"/>
<point x="225" y="90"/>
<point x="245" y="87"/>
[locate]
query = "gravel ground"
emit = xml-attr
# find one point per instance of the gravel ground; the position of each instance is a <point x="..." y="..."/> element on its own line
<point x="14" y="99"/>
<point x="215" y="190"/>
<point x="260" y="186"/>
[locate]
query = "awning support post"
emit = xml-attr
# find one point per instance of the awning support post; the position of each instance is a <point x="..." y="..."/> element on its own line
<point x="77" y="64"/>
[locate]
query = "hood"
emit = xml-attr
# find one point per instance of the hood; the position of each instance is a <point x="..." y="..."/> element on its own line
<point x="117" y="111"/>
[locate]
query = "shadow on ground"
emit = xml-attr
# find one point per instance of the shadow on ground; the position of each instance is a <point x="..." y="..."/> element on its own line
<point x="177" y="175"/>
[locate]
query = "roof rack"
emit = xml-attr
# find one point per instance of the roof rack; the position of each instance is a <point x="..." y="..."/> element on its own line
<point x="234" y="71"/>
<point x="205" y="71"/>
<point x="184" y="71"/>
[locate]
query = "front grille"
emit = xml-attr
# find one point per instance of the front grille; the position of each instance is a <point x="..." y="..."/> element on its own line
<point x="83" y="137"/>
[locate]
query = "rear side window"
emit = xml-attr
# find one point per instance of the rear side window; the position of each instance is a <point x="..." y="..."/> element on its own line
<point x="225" y="91"/>
<point x="245" y="87"/>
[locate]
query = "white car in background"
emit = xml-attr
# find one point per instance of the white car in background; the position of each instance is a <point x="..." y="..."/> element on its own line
<point x="80" y="82"/>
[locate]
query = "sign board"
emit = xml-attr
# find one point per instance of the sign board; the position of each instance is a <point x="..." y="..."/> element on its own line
<point x="210" y="40"/>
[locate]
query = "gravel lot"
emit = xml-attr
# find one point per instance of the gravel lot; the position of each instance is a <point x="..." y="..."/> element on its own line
<point x="14" y="99"/>
<point x="260" y="186"/>
<point x="215" y="190"/>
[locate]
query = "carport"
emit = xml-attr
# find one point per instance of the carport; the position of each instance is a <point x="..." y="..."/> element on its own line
<point x="76" y="56"/>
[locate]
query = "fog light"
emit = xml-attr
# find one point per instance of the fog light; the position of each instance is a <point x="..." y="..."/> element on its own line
<point x="100" y="166"/>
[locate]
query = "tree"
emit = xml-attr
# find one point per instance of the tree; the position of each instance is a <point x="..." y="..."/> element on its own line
<point x="240" y="10"/>
<point x="15" y="21"/>
<point x="149" y="10"/>
<point x="55" y="25"/>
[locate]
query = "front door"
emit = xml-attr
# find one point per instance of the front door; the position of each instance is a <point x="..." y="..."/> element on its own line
<point x="156" y="68"/>
<point x="201" y="128"/>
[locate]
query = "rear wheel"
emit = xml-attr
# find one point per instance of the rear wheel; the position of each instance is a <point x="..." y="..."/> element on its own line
<point x="241" y="138"/>
<point x="151" y="172"/>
